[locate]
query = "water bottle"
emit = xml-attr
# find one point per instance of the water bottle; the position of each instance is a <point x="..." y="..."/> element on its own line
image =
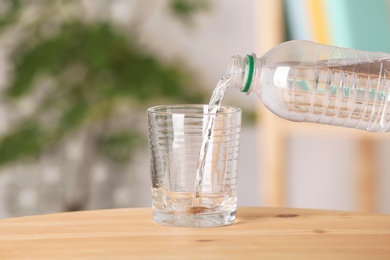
<point x="308" y="82"/>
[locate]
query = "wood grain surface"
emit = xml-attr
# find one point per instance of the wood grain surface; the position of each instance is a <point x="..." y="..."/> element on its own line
<point x="259" y="233"/>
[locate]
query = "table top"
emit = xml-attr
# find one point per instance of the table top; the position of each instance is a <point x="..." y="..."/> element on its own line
<point x="282" y="233"/>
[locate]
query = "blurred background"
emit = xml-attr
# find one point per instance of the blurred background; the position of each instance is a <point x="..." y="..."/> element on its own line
<point x="76" y="77"/>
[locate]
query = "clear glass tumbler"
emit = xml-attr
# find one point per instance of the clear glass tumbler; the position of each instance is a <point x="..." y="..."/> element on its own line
<point x="176" y="133"/>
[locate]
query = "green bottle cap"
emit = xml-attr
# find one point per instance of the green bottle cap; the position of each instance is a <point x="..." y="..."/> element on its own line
<point x="251" y="68"/>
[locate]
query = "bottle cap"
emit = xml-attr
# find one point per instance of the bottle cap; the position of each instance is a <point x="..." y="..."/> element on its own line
<point x="251" y="68"/>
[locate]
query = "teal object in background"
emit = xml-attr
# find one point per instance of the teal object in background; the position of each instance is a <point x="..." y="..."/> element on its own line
<point x="359" y="24"/>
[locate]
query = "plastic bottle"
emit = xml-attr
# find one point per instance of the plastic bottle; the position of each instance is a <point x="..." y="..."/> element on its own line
<point x="308" y="82"/>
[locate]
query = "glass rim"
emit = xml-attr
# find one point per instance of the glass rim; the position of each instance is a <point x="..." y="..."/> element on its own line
<point x="163" y="109"/>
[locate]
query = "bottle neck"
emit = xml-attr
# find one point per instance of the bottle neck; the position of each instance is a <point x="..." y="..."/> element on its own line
<point x="242" y="70"/>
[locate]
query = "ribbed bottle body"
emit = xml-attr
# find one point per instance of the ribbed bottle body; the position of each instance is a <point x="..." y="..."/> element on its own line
<point x="327" y="85"/>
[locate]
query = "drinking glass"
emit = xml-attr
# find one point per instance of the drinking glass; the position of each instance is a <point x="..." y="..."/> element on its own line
<point x="186" y="190"/>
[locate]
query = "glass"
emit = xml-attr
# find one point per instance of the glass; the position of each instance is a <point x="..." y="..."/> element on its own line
<point x="176" y="134"/>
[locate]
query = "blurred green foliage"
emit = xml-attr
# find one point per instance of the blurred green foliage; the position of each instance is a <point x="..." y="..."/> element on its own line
<point x="94" y="70"/>
<point x="185" y="9"/>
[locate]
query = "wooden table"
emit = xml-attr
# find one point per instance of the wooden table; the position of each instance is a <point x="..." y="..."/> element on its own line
<point x="259" y="233"/>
